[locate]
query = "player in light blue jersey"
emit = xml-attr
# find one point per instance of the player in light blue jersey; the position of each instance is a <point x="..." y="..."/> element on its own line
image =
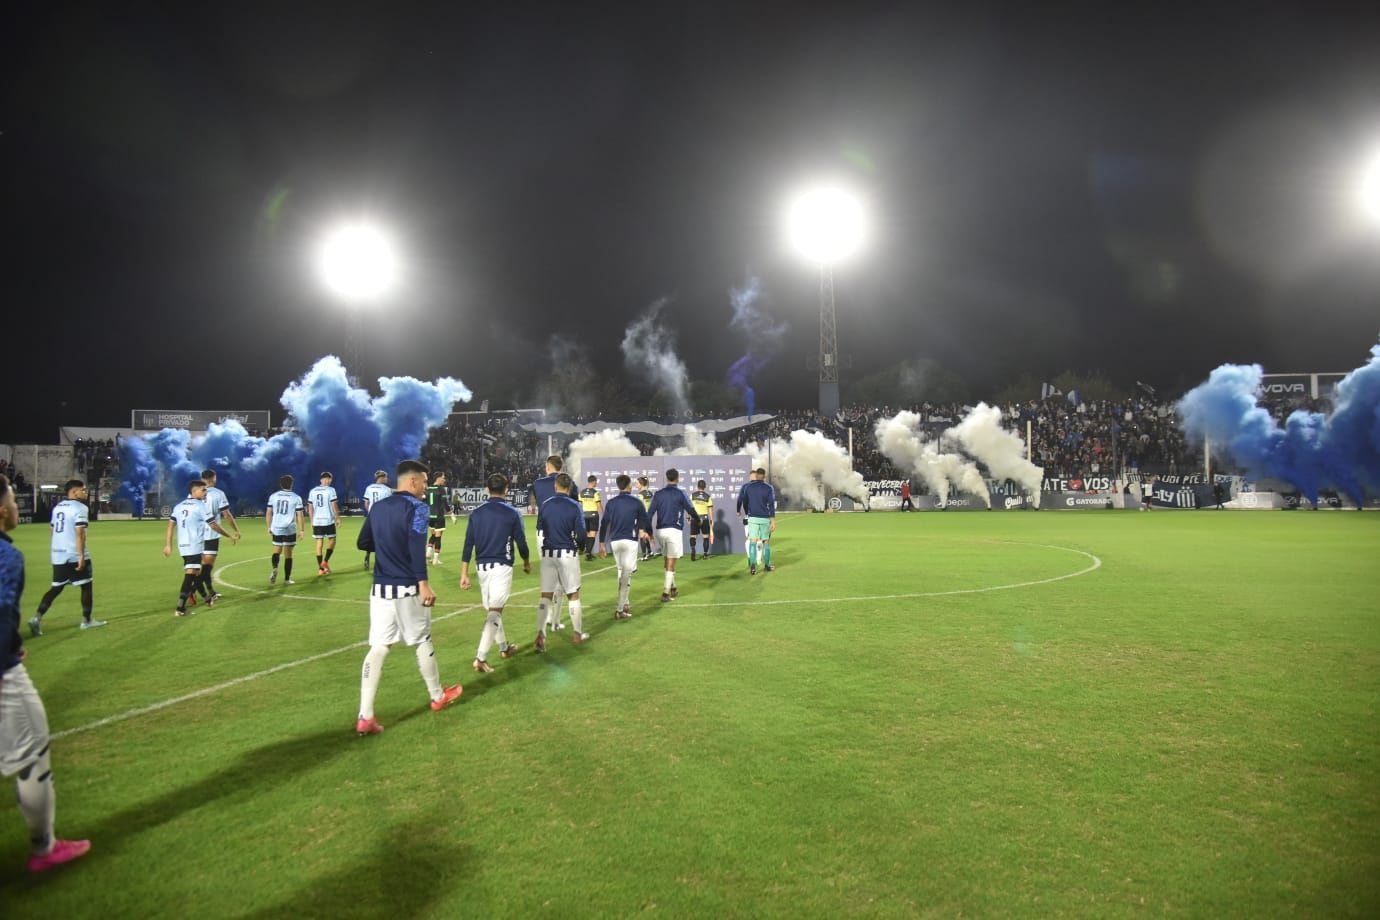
<point x="218" y="510"/>
<point x="377" y="492"/>
<point x="325" y="512"/>
<point x="284" y="519"/>
<point x="190" y="519"/>
<point x="70" y="556"/>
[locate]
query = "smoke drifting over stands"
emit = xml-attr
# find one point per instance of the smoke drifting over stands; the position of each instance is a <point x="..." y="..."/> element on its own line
<point x="334" y="426"/>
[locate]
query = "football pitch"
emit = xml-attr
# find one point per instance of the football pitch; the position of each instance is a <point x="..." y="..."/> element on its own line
<point x="916" y="715"/>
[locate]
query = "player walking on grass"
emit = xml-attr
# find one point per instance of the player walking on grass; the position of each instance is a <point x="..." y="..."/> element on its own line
<point x="218" y="510"/>
<point x="285" y="527"/>
<point x="644" y="492"/>
<point x="704" y="507"/>
<point x="669" y="507"/>
<point x="378" y="490"/>
<point x="757" y="502"/>
<point x="325" y="514"/>
<point x="189" y="517"/>
<point x="490" y="535"/>
<point x="561" y="522"/>
<point x="70" y="556"/>
<point x="24" y="738"/>
<point x="625" y="519"/>
<point x="400" y="602"/>
<point x="543" y="487"/>
<point x="591" y="504"/>
<point x="438" y="503"/>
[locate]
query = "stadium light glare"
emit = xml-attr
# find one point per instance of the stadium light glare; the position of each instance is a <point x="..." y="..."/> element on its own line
<point x="1370" y="189"/>
<point x="357" y="261"/>
<point x="826" y="225"/>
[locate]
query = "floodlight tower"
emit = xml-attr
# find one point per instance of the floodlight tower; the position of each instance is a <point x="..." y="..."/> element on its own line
<point x="825" y="225"/>
<point x="357" y="263"/>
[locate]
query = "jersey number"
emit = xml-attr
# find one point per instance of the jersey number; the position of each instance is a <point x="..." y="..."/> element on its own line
<point x="282" y="507"/>
<point x="320" y="501"/>
<point x="59" y="522"/>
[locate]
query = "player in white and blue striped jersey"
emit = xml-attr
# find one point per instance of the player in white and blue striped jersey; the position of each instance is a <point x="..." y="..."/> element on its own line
<point x="70" y="556"/>
<point x="377" y="491"/>
<point x="189" y="518"/>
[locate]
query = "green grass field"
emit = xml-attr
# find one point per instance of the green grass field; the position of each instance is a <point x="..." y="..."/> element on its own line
<point x="929" y="715"/>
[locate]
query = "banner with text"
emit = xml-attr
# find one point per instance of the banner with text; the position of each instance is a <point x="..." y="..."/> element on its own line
<point x="197" y="419"/>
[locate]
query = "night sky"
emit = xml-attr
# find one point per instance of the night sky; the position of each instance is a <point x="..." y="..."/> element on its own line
<point x="1150" y="194"/>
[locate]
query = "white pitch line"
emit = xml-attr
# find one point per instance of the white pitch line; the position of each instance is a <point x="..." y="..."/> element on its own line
<point x="206" y="691"/>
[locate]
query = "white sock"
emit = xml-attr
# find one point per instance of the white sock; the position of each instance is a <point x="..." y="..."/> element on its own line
<point x="624" y="589"/>
<point x="554" y="611"/>
<point x="486" y="638"/>
<point x="576" y="619"/>
<point x="431" y="670"/>
<point x="369" y="679"/>
<point x="670" y="581"/>
<point x="542" y="612"/>
<point x="38" y="803"/>
<point x="500" y="636"/>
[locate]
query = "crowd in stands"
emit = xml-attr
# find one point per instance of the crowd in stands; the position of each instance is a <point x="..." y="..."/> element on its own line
<point x="1108" y="436"/>
<point x="15" y="476"/>
<point x="95" y="458"/>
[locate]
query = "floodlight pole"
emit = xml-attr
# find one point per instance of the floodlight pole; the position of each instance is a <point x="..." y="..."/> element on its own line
<point x="828" y="344"/>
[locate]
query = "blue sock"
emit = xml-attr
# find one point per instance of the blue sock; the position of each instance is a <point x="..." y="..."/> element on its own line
<point x="752" y="554"/>
<point x="766" y="554"/>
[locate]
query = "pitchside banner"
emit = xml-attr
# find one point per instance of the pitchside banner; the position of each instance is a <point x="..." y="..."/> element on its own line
<point x="723" y="475"/>
<point x="197" y="420"/>
<point x="465" y="500"/>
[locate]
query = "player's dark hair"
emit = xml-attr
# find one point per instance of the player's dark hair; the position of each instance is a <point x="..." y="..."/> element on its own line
<point x="564" y="482"/>
<point x="592" y="478"/>
<point x="411" y="466"/>
<point x="497" y="483"/>
<point x="642" y="480"/>
<point x="72" y="484"/>
<point x="623" y="480"/>
<point x="555" y="462"/>
<point x="285" y="482"/>
<point x="439" y="477"/>
<point x="380" y="475"/>
<point x="208" y="474"/>
<point x="326" y="475"/>
<point x="195" y="484"/>
<point x="673" y="475"/>
<point x="700" y="484"/>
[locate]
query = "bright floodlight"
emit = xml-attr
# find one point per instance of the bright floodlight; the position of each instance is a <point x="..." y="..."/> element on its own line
<point x="826" y="225"/>
<point x="357" y="262"/>
<point x="1370" y="190"/>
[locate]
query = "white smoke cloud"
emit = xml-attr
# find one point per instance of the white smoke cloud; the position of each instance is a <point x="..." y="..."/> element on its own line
<point x="697" y="444"/>
<point x="649" y="348"/>
<point x="611" y="442"/>
<point x="807" y="466"/>
<point x="901" y="441"/>
<point x="1002" y="452"/>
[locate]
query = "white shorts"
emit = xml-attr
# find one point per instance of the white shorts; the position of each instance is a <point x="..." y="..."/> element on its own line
<point x="23" y="722"/>
<point x="672" y="541"/>
<point x="495" y="584"/>
<point x="560" y="574"/>
<point x="625" y="555"/>
<point x="395" y="615"/>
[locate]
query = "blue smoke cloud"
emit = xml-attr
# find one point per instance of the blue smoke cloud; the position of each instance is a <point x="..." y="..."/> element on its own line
<point x="764" y="336"/>
<point x="1312" y="451"/>
<point x="336" y="427"/>
<point x="740" y="375"/>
